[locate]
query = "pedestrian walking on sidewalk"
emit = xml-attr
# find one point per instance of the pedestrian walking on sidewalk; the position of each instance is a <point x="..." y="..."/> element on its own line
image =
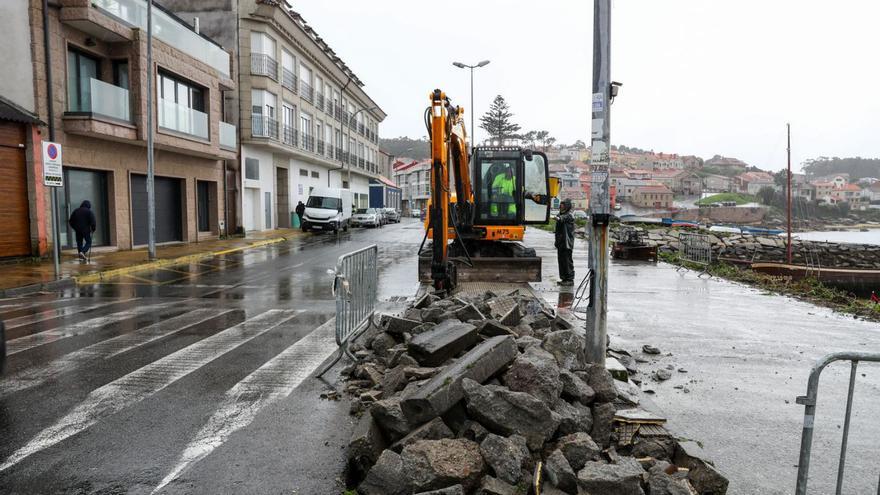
<point x="565" y="243"/>
<point x="83" y="223"/>
<point x="300" y="211"/>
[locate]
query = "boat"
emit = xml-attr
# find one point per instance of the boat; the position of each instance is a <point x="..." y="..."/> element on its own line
<point x="858" y="281"/>
<point x="632" y="246"/>
<point x="639" y="219"/>
<point x="761" y="231"/>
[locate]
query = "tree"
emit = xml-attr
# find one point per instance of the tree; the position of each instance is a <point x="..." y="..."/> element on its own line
<point x="767" y="195"/>
<point x="579" y="145"/>
<point x="497" y="121"/>
<point x="529" y="138"/>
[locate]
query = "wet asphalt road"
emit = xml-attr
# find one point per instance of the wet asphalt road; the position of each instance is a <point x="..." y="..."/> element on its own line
<point x="194" y="378"/>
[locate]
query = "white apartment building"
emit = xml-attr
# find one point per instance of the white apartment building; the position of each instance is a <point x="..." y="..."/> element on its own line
<point x="305" y="119"/>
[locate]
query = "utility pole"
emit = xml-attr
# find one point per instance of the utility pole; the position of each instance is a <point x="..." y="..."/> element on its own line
<point x="151" y="196"/>
<point x="788" y="177"/>
<point x="600" y="201"/>
<point x="50" y="102"/>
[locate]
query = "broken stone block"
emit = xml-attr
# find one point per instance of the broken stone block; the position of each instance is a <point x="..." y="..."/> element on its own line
<point x="365" y="447"/>
<point x="382" y="343"/>
<point x="603" y="420"/>
<point x="507" y="412"/>
<point x="567" y="347"/>
<point x="560" y="323"/>
<point x="390" y="418"/>
<point x="578" y="448"/>
<point x="656" y="447"/>
<point x="424" y="327"/>
<point x="623" y="478"/>
<point x="434" y="464"/>
<point x="425" y="301"/>
<point x="398" y="326"/>
<point x="420" y="373"/>
<point x="506" y="456"/>
<point x="432" y="314"/>
<point x="442" y="342"/>
<point x="494" y="486"/>
<point x="617" y="370"/>
<point x="452" y="490"/>
<point x="573" y="418"/>
<point x="702" y="473"/>
<point x="413" y="314"/>
<point x="662" y="375"/>
<point x="600" y="380"/>
<point x="491" y="328"/>
<point x="649" y="349"/>
<point x="537" y="321"/>
<point x="660" y="483"/>
<point x="386" y="477"/>
<point x="559" y="472"/>
<point x="523" y="330"/>
<point x="394" y="380"/>
<point x="432" y="430"/>
<point x="512" y="317"/>
<point x="442" y="391"/>
<point x="575" y="389"/>
<point x="371" y="396"/>
<point x="371" y="373"/>
<point x="469" y="312"/>
<point x="527" y="341"/>
<point x="473" y="430"/>
<point x="535" y="372"/>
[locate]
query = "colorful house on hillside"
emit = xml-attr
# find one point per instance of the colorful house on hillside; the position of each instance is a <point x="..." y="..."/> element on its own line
<point x="752" y="182"/>
<point x="654" y="196"/>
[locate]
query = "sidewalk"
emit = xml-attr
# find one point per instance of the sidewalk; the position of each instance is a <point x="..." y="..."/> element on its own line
<point x="34" y="275"/>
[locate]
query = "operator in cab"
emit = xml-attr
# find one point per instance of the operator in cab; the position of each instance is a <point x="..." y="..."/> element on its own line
<point x="565" y="243"/>
<point x="503" y="190"/>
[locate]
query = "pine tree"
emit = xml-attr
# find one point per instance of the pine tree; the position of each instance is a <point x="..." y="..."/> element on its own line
<point x="497" y="121"/>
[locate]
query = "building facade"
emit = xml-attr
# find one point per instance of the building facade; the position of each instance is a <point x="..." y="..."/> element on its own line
<point x="658" y="196"/>
<point x="305" y="118"/>
<point x="414" y="181"/>
<point x="99" y="76"/>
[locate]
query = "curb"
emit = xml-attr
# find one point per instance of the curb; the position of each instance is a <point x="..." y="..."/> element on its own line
<point x="93" y="278"/>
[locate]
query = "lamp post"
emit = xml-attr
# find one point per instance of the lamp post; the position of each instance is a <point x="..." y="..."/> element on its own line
<point x="472" y="67"/>
<point x="354" y="119"/>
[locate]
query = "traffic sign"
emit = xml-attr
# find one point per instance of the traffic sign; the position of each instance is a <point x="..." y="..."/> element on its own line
<point x="52" y="168"/>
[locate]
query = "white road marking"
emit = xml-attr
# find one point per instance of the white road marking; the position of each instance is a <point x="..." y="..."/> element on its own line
<point x="31" y="377"/>
<point x="22" y="344"/>
<point x="57" y="313"/>
<point x="276" y="379"/>
<point x="146" y="381"/>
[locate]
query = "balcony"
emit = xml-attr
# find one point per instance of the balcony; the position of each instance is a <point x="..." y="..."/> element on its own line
<point x="264" y="65"/>
<point x="339" y="154"/>
<point x="288" y="135"/>
<point x="168" y="30"/>
<point x="320" y="147"/>
<point x="338" y="112"/>
<point x="265" y="127"/>
<point x="104" y="100"/>
<point x="180" y="118"/>
<point x="361" y="129"/>
<point x="319" y="101"/>
<point x="305" y="89"/>
<point x="308" y="142"/>
<point x="288" y="79"/>
<point x="227" y="136"/>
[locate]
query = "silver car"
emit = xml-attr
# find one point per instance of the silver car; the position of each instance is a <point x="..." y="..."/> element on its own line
<point x="367" y="216"/>
<point x="391" y="215"/>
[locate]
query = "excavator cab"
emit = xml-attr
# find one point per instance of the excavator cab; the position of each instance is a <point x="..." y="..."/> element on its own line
<point x="511" y="185"/>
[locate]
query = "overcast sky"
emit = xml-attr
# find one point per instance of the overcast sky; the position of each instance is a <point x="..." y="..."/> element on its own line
<point x="700" y="77"/>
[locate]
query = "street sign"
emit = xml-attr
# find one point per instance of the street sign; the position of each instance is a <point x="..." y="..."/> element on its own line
<point x="52" y="169"/>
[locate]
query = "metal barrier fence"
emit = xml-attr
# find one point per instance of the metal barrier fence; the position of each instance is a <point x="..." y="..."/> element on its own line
<point x="355" y="286"/>
<point x="809" y="402"/>
<point x="695" y="248"/>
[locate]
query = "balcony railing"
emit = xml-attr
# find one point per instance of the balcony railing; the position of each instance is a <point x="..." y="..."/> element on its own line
<point x="262" y="126"/>
<point x="288" y="79"/>
<point x="264" y="65"/>
<point x="339" y="154"/>
<point x="169" y="30"/>
<point x="305" y="89"/>
<point x="106" y="100"/>
<point x="361" y="129"/>
<point x="308" y="142"/>
<point x="289" y="135"/>
<point x="361" y="162"/>
<point x="329" y="106"/>
<point x="227" y="136"/>
<point x="320" y="145"/>
<point x="338" y="113"/>
<point x="319" y="100"/>
<point x="183" y="119"/>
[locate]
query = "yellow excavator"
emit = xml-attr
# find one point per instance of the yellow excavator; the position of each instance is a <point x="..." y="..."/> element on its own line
<point x="476" y="228"/>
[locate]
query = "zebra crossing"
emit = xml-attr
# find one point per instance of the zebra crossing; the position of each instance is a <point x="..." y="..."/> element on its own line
<point x="61" y="343"/>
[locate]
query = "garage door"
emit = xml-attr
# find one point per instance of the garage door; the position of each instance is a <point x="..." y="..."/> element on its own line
<point x="168" y="211"/>
<point x="15" y="240"/>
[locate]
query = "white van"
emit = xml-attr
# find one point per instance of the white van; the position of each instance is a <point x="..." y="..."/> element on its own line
<point x="328" y="208"/>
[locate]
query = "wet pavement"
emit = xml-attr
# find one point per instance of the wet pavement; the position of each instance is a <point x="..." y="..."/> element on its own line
<point x="194" y="378"/>
<point x="197" y="378"/>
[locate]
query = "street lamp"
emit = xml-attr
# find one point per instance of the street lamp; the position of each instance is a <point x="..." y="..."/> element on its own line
<point x="472" y="67"/>
<point x="353" y="119"/>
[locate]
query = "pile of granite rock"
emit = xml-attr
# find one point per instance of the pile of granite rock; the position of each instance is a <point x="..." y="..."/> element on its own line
<point x="491" y="394"/>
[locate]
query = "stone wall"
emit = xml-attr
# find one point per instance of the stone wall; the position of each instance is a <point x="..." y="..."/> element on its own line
<point x="723" y="214"/>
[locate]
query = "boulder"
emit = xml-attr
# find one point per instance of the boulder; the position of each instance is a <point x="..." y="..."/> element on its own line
<point x="535" y="372"/>
<point x="394" y="380"/>
<point x="432" y="430"/>
<point x="537" y="321"/>
<point x="559" y="472"/>
<point x="507" y="412"/>
<point x="660" y="483"/>
<point x="382" y="343"/>
<point x="432" y="314"/>
<point x="469" y="312"/>
<point x="452" y="490"/>
<point x="527" y="341"/>
<point x="575" y="389"/>
<point x="434" y="464"/>
<point x="365" y="447"/>
<point x="603" y="420"/>
<point x="473" y="430"/>
<point x="600" y="380"/>
<point x="656" y="447"/>
<point x="442" y="391"/>
<point x="506" y="456"/>
<point x="573" y="418"/>
<point x="492" y="328"/>
<point x="494" y="486"/>
<point x="390" y="418"/>
<point x="567" y="347"/>
<point x="702" y="473"/>
<point x="578" y="448"/>
<point x="437" y="345"/>
<point x="386" y="477"/>
<point x="623" y="478"/>
<point x="398" y="326"/>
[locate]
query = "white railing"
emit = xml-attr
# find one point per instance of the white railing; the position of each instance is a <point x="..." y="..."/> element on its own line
<point x="169" y="30"/>
<point x="109" y="100"/>
<point x="227" y="136"/>
<point x="180" y="118"/>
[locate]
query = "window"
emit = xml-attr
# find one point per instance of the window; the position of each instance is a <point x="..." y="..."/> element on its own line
<point x="252" y="169"/>
<point x="182" y="106"/>
<point x="263" y="55"/>
<point x="303" y="172"/>
<point x="261" y="43"/>
<point x="288" y="116"/>
<point x="120" y="73"/>
<point x="263" y="108"/>
<point x="288" y="70"/>
<point x="316" y="175"/>
<point x="81" y="69"/>
<point x="204" y="204"/>
<point x="345" y="184"/>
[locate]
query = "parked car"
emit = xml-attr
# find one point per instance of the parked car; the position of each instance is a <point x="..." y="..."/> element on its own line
<point x="327" y="208"/>
<point x="415" y="213"/>
<point x="367" y="216"/>
<point x="392" y="215"/>
<point x="579" y="214"/>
